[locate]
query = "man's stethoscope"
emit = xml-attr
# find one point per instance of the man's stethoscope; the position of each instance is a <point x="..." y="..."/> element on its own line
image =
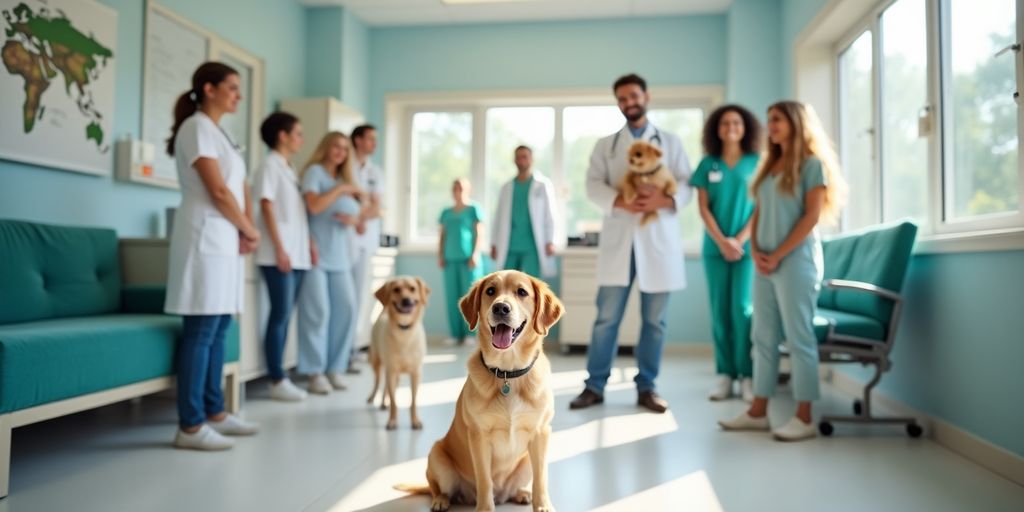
<point x="655" y="139"/>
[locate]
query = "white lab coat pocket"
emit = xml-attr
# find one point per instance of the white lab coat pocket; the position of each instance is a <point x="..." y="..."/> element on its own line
<point x="218" y="237"/>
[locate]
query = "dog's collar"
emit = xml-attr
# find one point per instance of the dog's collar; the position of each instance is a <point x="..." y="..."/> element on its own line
<point x="650" y="172"/>
<point x="505" y="375"/>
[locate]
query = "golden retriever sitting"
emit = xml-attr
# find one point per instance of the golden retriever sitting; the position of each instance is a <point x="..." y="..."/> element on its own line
<point x="399" y="342"/>
<point x="498" y="440"/>
<point x="645" y="168"/>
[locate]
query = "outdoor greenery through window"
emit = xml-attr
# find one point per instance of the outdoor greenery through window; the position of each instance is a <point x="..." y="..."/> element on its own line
<point x="939" y="142"/>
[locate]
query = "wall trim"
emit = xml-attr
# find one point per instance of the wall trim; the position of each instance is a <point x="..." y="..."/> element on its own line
<point x="987" y="455"/>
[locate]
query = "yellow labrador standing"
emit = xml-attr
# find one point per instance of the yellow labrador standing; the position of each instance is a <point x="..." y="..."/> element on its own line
<point x="498" y="439"/>
<point x="399" y="342"/>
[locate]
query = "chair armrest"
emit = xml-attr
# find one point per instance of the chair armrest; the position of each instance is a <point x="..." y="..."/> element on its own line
<point x="864" y="287"/>
<point x="143" y="298"/>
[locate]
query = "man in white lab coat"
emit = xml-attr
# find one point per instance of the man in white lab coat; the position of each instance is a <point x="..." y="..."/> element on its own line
<point x="371" y="180"/>
<point x="523" y="237"/>
<point x="652" y="254"/>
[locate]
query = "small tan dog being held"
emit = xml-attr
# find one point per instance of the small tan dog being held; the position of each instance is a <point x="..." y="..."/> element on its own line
<point x="399" y="342"/>
<point x="645" y="168"/>
<point x="498" y="440"/>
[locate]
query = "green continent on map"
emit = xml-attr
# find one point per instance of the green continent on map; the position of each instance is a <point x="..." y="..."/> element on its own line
<point x="94" y="132"/>
<point x="40" y="45"/>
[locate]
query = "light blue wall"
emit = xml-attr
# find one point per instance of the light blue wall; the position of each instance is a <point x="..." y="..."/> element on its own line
<point x="355" y="48"/>
<point x="796" y="14"/>
<point x="49" y="195"/>
<point x="673" y="50"/>
<point x="754" y="77"/>
<point x="337" y="56"/>
<point x="324" y="51"/>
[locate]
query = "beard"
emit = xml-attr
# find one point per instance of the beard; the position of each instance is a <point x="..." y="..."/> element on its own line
<point x="635" y="113"/>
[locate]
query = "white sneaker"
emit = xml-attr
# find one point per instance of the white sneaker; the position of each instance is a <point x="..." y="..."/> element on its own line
<point x="747" y="390"/>
<point x="319" y="385"/>
<point x="722" y="389"/>
<point x="336" y="382"/>
<point x="745" y="422"/>
<point x="286" y="391"/>
<point x="232" y="425"/>
<point x="795" y="430"/>
<point x="204" y="439"/>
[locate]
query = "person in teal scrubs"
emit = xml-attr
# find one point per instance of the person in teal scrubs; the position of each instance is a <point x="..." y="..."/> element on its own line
<point x="731" y="144"/>
<point x="459" y="255"/>
<point x="523" y="235"/>
<point x="798" y="186"/>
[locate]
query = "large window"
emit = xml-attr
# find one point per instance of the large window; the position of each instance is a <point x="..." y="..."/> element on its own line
<point x="477" y="141"/>
<point x="921" y="86"/>
<point x="441" y="148"/>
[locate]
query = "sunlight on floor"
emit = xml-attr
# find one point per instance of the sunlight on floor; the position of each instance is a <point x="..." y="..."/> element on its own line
<point x="440" y="358"/>
<point x="692" y="492"/>
<point x="567" y="443"/>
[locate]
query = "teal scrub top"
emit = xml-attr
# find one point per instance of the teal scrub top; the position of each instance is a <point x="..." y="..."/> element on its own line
<point x="333" y="239"/>
<point x="459" y="231"/>
<point x="729" y="197"/>
<point x="778" y="212"/>
<point x="521" y="234"/>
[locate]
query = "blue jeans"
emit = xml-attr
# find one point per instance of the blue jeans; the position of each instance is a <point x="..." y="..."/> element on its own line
<point x="200" y="368"/>
<point x="611" y="304"/>
<point x="283" y="289"/>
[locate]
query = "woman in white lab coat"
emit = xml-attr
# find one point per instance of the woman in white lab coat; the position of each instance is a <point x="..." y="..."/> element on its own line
<point x="287" y="251"/>
<point x="212" y="229"/>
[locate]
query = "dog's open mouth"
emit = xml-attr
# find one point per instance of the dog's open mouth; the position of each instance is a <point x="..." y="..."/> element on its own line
<point x="502" y="335"/>
<point x="404" y="310"/>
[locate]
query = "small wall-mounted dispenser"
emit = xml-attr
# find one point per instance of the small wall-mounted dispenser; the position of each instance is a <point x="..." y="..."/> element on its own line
<point x="134" y="162"/>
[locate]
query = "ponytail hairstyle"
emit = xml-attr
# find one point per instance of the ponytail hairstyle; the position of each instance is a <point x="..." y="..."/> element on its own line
<point x="188" y="103"/>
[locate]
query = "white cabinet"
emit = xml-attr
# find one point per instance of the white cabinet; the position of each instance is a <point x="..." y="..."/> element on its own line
<point x="579" y="296"/>
<point x="318" y="117"/>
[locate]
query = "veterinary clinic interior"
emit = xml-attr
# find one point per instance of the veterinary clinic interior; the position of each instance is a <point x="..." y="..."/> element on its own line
<point x="537" y="255"/>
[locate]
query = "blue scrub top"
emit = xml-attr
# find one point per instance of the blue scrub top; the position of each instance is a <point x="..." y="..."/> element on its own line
<point x="778" y="211"/>
<point x="333" y="239"/>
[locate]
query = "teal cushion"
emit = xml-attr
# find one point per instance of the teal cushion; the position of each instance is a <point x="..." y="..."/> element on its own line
<point x="880" y="257"/>
<point x="847" y="323"/>
<point x="837" y="252"/>
<point x="46" y="361"/>
<point x="54" y="271"/>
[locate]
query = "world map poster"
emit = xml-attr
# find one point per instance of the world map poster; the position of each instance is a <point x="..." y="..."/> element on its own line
<point x="57" y="83"/>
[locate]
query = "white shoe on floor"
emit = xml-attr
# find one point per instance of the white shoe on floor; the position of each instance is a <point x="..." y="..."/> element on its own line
<point x="204" y="439"/>
<point x="745" y="422"/>
<point x="747" y="390"/>
<point x="795" y="430"/>
<point x="232" y="425"/>
<point x="319" y="385"/>
<point x="286" y="391"/>
<point x="336" y="382"/>
<point x="722" y="389"/>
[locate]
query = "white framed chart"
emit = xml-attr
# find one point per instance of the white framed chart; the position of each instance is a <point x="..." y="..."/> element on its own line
<point x="174" y="48"/>
<point x="57" y="83"/>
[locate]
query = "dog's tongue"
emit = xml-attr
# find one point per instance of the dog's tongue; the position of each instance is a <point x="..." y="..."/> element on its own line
<point x="502" y="337"/>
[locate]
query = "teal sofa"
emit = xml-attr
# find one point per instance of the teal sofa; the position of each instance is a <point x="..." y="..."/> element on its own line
<point x="73" y="336"/>
<point x="859" y="308"/>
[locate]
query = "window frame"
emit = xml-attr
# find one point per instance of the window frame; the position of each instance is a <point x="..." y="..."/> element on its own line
<point x="943" y="233"/>
<point x="401" y="107"/>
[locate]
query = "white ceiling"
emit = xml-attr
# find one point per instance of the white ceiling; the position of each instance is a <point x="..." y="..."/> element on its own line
<point x="433" y="12"/>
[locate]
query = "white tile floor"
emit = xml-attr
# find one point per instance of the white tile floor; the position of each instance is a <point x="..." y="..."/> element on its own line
<point x="332" y="453"/>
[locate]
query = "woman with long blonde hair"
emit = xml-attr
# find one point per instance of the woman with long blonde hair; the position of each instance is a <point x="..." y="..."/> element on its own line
<point x="327" y="301"/>
<point x="797" y="186"/>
